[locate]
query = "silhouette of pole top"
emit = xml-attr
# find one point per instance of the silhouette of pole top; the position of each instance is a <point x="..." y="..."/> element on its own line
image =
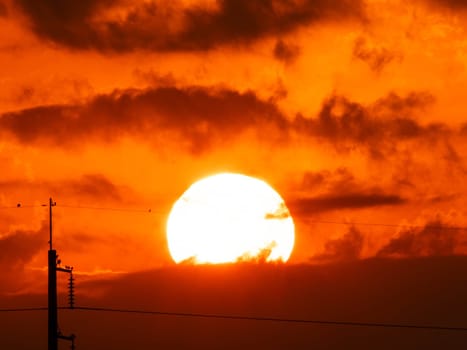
<point x="51" y="204"/>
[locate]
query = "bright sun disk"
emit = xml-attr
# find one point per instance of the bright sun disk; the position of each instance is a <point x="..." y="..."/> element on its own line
<point x="228" y="218"/>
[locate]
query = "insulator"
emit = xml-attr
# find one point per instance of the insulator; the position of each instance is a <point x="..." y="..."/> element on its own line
<point x="71" y="292"/>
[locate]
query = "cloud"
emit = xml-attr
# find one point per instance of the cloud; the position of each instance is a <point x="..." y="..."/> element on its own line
<point x="87" y="186"/>
<point x="201" y="116"/>
<point x="450" y="4"/>
<point x="94" y="185"/>
<point x="430" y="240"/>
<point x="19" y="247"/>
<point x="335" y="190"/>
<point x="376" y="57"/>
<point x="166" y="26"/>
<point x="154" y="78"/>
<point x="286" y="52"/>
<point x="346" y="248"/>
<point x="376" y="127"/>
<point x="198" y="114"/>
<point x="339" y="180"/>
<point x="314" y="205"/>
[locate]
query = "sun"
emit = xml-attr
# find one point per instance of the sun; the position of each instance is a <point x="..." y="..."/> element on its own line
<point x="228" y="218"/>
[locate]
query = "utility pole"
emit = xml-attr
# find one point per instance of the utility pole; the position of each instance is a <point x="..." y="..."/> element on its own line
<point x="53" y="331"/>
<point x="52" y="292"/>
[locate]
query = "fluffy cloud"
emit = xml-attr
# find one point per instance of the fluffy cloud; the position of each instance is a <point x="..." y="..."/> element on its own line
<point x="163" y="26"/>
<point x="376" y="127"/>
<point x="200" y="115"/>
<point x="346" y="248"/>
<point x="433" y="239"/>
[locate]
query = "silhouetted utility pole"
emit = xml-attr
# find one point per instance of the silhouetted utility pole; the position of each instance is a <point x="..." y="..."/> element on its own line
<point x="53" y="331"/>
<point x="53" y="313"/>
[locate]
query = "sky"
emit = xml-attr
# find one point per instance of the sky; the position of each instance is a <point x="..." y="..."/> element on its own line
<point x="354" y="111"/>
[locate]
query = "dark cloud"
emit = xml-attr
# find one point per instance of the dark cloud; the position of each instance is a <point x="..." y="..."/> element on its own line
<point x="163" y="25"/>
<point x="450" y="4"/>
<point x="402" y="106"/>
<point x="286" y="52"/>
<point x="202" y="115"/>
<point x="346" y="248"/>
<point x="89" y="186"/>
<point x="310" y="206"/>
<point x="198" y="114"/>
<point x="434" y="239"/>
<point x="376" y="127"/>
<point x="66" y="22"/>
<point x="443" y="198"/>
<point x="19" y="247"/>
<point x="337" y="189"/>
<point x="376" y="58"/>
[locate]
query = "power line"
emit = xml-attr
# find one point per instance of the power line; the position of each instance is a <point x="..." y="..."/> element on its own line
<point x="23" y="309"/>
<point x="272" y="319"/>
<point x="250" y="318"/>
<point x="88" y="207"/>
<point x="20" y="206"/>
<point x="440" y="227"/>
<point x="309" y="220"/>
<point x="149" y="210"/>
<point x="305" y="219"/>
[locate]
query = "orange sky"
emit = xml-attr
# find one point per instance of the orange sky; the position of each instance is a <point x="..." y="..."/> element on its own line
<point x="353" y="110"/>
